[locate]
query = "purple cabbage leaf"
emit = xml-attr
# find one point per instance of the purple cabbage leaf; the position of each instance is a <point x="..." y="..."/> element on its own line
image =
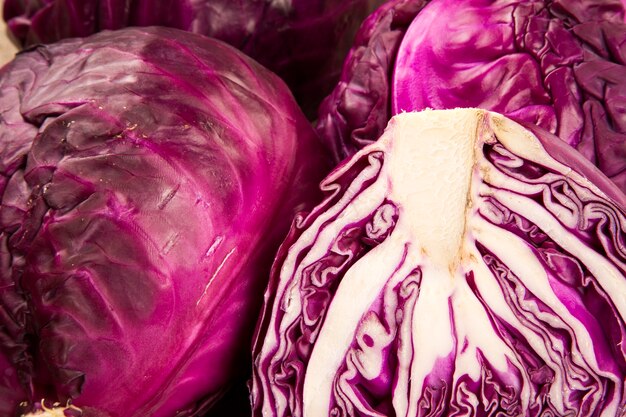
<point x="11" y="392"/>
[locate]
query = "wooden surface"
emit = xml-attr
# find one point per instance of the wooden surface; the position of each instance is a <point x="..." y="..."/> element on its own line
<point x="7" y="48"/>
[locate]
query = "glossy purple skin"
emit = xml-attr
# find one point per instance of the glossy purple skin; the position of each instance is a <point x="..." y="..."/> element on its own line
<point x="303" y="41"/>
<point x="148" y="176"/>
<point x="560" y="64"/>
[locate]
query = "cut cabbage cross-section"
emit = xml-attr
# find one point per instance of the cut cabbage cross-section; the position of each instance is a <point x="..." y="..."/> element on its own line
<point x="462" y="265"/>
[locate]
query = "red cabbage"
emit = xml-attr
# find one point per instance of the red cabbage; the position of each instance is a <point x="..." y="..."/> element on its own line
<point x="148" y="176"/>
<point x="462" y="265"/>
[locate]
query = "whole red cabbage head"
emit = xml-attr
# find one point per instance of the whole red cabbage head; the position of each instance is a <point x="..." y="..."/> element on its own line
<point x="147" y="178"/>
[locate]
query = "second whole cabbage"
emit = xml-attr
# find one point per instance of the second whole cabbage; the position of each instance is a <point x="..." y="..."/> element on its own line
<point x="148" y="177"/>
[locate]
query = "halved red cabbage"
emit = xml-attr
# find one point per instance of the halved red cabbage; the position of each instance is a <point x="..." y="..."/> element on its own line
<point x="147" y="177"/>
<point x="560" y="64"/>
<point x="462" y="265"/>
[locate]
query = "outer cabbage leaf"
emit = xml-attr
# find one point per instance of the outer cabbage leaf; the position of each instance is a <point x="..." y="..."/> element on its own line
<point x="148" y="176"/>
<point x="11" y="392"/>
<point x="304" y="41"/>
<point x="560" y="64"/>
<point x="462" y="265"/>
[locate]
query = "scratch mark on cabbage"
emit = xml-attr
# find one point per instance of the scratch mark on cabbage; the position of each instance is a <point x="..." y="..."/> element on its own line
<point x="217" y="271"/>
